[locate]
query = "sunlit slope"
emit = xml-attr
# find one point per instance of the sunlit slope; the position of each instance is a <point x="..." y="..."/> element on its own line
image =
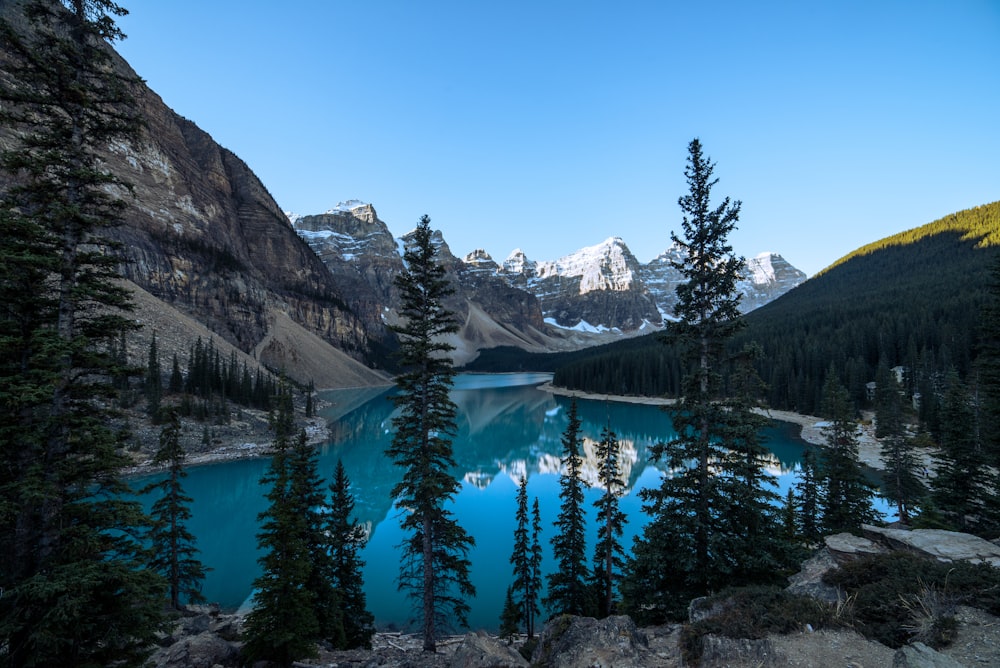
<point x="911" y="300"/>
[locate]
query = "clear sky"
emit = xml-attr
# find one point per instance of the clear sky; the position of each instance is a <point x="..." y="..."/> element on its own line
<point x="552" y="125"/>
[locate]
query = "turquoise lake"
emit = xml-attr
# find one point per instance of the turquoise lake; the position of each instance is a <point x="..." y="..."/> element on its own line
<point x="507" y="428"/>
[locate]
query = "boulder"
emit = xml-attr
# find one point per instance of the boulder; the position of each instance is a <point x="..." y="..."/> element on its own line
<point x="585" y="642"/>
<point x="479" y="649"/>
<point x="919" y="655"/>
<point x="946" y="546"/>
<point x="846" y="547"/>
<point x="809" y="580"/>
<point x="204" y="650"/>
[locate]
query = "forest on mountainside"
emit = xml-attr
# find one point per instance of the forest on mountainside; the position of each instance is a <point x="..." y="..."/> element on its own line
<point x="910" y="300"/>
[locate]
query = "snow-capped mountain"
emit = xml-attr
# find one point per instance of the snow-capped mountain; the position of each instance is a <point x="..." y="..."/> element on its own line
<point x="534" y="304"/>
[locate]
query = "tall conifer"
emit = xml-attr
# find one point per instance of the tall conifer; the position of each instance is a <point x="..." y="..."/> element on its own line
<point x="696" y="541"/>
<point x="172" y="545"/>
<point x="435" y="565"/>
<point x="845" y="493"/>
<point x="569" y="593"/>
<point x="611" y="521"/>
<point x="75" y="588"/>
<point x="347" y="539"/>
<point x="525" y="588"/>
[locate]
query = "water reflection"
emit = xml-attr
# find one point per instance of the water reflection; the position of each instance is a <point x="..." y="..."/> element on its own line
<point x="506" y="428"/>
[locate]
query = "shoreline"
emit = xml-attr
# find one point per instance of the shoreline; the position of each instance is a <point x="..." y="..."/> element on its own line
<point x="811" y="427"/>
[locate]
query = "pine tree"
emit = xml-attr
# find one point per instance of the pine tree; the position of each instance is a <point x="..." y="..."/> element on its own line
<point x="845" y="493"/>
<point x="693" y="542"/>
<point x="987" y="368"/>
<point x="611" y="522"/>
<point x="76" y="590"/>
<point x="510" y="616"/>
<point x="963" y="488"/>
<point x="347" y="539"/>
<point x="172" y="545"/>
<point x="176" y="383"/>
<point x="900" y="480"/>
<point x="305" y="492"/>
<point x="527" y="580"/>
<point x="435" y="566"/>
<point x="536" y="566"/>
<point x="807" y="490"/>
<point x="154" y="379"/>
<point x="283" y="625"/>
<point x="568" y="590"/>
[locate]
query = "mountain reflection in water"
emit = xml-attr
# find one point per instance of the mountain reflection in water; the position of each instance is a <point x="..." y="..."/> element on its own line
<point x="507" y="428"/>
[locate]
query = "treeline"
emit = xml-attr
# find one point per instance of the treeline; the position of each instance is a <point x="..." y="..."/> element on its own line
<point x="914" y="303"/>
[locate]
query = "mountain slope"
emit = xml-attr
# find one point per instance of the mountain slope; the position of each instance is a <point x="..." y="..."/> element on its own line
<point x="911" y="300"/>
<point x="203" y="235"/>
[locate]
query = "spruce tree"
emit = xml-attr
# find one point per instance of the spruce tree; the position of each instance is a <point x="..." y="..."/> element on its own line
<point x="964" y="487"/>
<point x="525" y="588"/>
<point x="305" y="492"/>
<point x="510" y="616"/>
<point x="569" y="593"/>
<point x="705" y="515"/>
<point x="435" y="566"/>
<point x="901" y="482"/>
<point x="154" y="379"/>
<point x="172" y="545"/>
<point x="76" y="590"/>
<point x="845" y="493"/>
<point x="536" y="564"/>
<point x="987" y="369"/>
<point x="283" y="626"/>
<point x="347" y="539"/>
<point x="807" y="491"/>
<point x="610" y="524"/>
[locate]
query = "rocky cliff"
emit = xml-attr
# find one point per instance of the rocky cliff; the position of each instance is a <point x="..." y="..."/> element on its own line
<point x="203" y="235"/>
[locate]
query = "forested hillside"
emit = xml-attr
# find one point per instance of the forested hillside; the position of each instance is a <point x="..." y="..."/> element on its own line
<point x="909" y="300"/>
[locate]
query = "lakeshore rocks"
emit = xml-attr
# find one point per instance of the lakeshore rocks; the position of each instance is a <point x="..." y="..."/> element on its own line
<point x="583" y="642"/>
<point x="945" y="546"/>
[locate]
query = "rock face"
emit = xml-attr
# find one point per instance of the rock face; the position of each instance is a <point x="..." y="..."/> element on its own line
<point x="938" y="544"/>
<point x="202" y="234"/>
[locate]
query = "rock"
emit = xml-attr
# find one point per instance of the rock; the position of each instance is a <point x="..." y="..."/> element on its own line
<point x="919" y="655"/>
<point x="846" y="547"/>
<point x="204" y="650"/>
<point x="479" y="650"/>
<point x="809" y="580"/>
<point x="585" y="642"/>
<point x="721" y="652"/>
<point x="946" y="546"/>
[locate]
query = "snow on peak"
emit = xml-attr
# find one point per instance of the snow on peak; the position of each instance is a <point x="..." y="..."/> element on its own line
<point x="347" y="206"/>
<point x="292" y="217"/>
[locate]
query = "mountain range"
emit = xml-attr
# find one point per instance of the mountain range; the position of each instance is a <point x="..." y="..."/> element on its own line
<point x="588" y="296"/>
<point x="207" y="252"/>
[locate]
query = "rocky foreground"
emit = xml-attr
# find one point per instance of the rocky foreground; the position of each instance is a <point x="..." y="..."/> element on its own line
<point x="208" y="639"/>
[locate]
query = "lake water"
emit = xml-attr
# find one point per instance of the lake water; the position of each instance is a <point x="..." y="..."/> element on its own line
<point x="506" y="428"/>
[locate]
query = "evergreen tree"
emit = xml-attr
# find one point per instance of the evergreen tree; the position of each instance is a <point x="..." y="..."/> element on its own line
<point x="305" y="491"/>
<point x="347" y="539"/>
<point x="525" y="587"/>
<point x="154" y="379"/>
<point x="901" y="482"/>
<point x="435" y="567"/>
<point x="176" y="383"/>
<point x="988" y="368"/>
<point x="510" y="616"/>
<point x="568" y="590"/>
<point x="963" y="488"/>
<point x="310" y="407"/>
<point x="283" y="626"/>
<point x="172" y="545"/>
<point x="76" y="590"/>
<point x="536" y="565"/>
<point x="611" y="521"/>
<point x="845" y="493"/>
<point x="807" y="491"/>
<point x="703" y="516"/>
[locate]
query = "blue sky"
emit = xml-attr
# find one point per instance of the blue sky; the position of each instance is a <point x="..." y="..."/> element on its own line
<point x="552" y="125"/>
